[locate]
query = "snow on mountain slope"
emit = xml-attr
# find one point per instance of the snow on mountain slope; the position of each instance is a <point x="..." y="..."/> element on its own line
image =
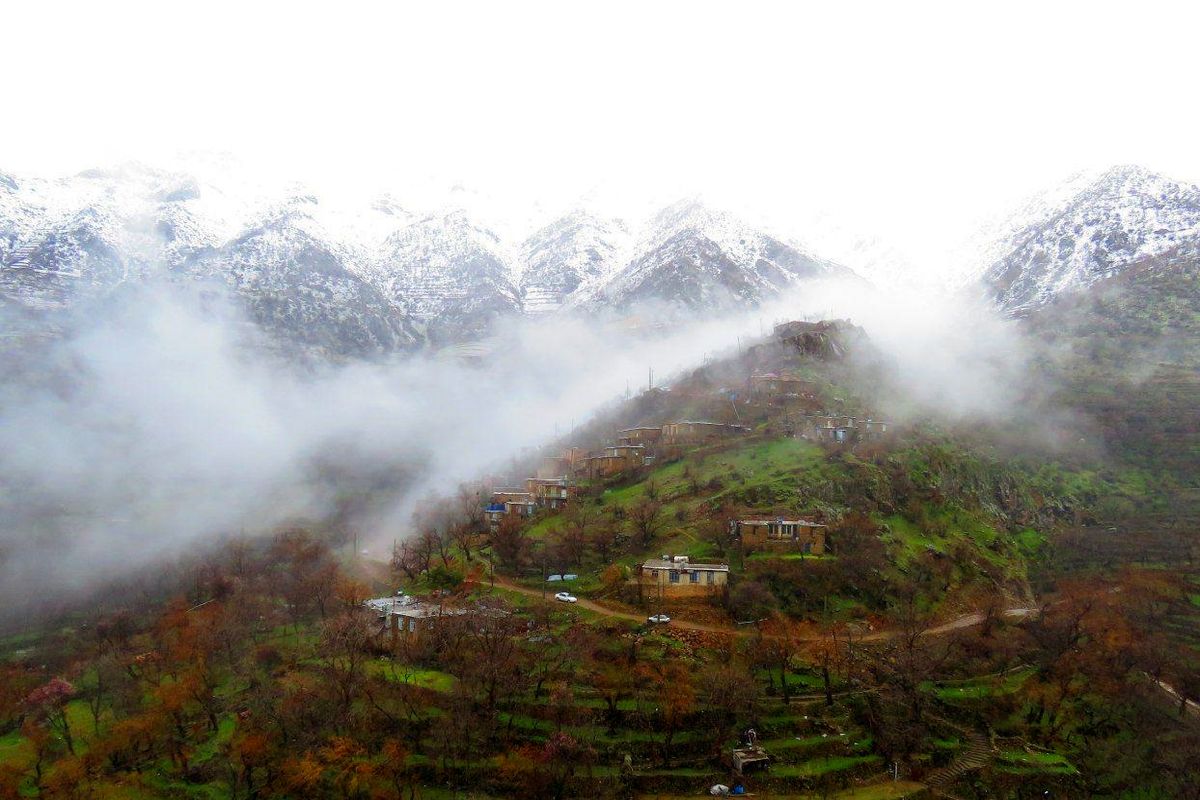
<point x="301" y="286"/>
<point x="696" y="257"/>
<point x="360" y="274"/>
<point x="447" y="273"/>
<point x="81" y="237"/>
<point x="1085" y="232"/>
<point x="72" y="238"/>
<point x="16" y="217"/>
<point x="578" y="248"/>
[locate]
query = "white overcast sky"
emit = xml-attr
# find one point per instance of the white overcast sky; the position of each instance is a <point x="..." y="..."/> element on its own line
<point x="914" y="121"/>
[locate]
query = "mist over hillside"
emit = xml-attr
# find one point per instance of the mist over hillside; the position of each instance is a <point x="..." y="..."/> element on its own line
<point x="158" y="420"/>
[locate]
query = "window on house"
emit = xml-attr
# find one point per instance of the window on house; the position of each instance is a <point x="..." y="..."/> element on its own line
<point x="710" y="578"/>
<point x="694" y="576"/>
<point x="674" y="576"/>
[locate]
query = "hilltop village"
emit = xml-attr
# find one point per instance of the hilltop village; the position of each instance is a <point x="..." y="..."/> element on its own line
<point x="560" y="477"/>
<point x="769" y="406"/>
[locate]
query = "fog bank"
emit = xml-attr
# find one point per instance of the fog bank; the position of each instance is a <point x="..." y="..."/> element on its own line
<point x="158" y="423"/>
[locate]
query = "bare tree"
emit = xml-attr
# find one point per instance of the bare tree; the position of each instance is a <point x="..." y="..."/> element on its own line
<point x="646" y="519"/>
<point x="469" y="520"/>
<point x="345" y="649"/>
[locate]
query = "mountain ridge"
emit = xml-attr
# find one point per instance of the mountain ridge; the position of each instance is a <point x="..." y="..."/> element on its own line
<point x="410" y="278"/>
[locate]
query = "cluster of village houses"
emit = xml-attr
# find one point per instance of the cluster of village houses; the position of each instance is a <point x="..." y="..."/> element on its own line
<point x="558" y="477"/>
<point x="670" y="576"/>
<point x="789" y="390"/>
<point x="679" y="576"/>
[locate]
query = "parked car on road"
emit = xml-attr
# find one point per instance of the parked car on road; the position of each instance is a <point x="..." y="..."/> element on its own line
<point x="658" y="619"/>
<point x="566" y="597"/>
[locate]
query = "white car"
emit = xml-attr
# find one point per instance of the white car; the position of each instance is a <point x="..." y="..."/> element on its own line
<point x="658" y="619"/>
<point x="566" y="597"/>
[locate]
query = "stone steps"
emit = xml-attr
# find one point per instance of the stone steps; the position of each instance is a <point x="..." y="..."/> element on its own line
<point x="976" y="756"/>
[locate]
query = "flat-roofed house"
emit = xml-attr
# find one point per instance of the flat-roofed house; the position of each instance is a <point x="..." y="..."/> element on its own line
<point x="615" y="459"/>
<point x="831" y="428"/>
<point x="874" y="430"/>
<point x="521" y="507"/>
<point x="509" y="501"/>
<point x="493" y="512"/>
<point x="407" y="616"/>
<point x="633" y="453"/>
<point x="779" y="535"/>
<point x="679" y="577"/>
<point x="687" y="432"/>
<point x="841" y="428"/>
<point x="645" y="436"/>
<point x="553" y="467"/>
<point x="549" y="492"/>
<point x="773" y="384"/>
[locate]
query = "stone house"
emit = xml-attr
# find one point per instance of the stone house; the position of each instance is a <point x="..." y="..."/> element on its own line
<point x="509" y="501"/>
<point x="407" y="617"/>
<point x="549" y="492"/>
<point x="679" y="577"/>
<point x="615" y="459"/>
<point x="772" y="384"/>
<point x="779" y="535"/>
<point x="645" y="436"/>
<point x="692" y="432"/>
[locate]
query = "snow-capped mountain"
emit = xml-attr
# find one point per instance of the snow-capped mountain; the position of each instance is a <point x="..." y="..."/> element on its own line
<point x="1087" y="231"/>
<point x="697" y="257"/>
<point x="575" y="250"/>
<point x="357" y="275"/>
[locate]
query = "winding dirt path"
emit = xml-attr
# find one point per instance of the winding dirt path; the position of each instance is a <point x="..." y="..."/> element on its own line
<point x="616" y="614"/>
<point x="958" y="623"/>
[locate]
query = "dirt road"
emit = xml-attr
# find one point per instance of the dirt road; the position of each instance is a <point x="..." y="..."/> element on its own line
<point x="609" y="612"/>
<point x="958" y="623"/>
